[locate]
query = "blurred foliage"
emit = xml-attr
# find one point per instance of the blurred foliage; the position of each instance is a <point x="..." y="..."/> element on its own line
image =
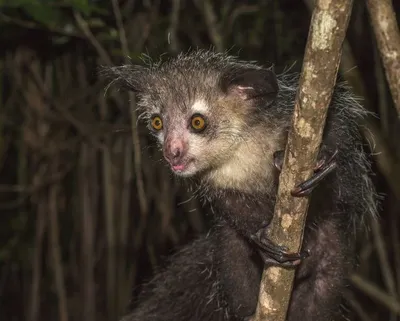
<point x="76" y="237"/>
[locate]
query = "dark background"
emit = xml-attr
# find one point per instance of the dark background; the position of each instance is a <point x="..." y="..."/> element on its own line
<point x="84" y="219"/>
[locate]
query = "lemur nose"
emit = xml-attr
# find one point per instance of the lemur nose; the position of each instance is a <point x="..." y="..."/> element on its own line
<point x="174" y="151"/>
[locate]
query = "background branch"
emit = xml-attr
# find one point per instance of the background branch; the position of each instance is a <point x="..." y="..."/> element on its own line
<point x="387" y="34"/>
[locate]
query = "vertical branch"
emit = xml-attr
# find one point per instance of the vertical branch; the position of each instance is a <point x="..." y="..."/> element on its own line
<point x="383" y="100"/>
<point x="87" y="195"/>
<point x="124" y="280"/>
<point x="87" y="235"/>
<point x="388" y="301"/>
<point x="395" y="238"/>
<point x="83" y="25"/>
<point x="387" y="34"/>
<point x="2" y="139"/>
<point x="56" y="249"/>
<point x="143" y="202"/>
<point x="385" y="159"/>
<point x="35" y="133"/>
<point x="213" y="27"/>
<point x="34" y="304"/>
<point x="109" y="200"/>
<point x="173" y="26"/>
<point x="37" y="262"/>
<point x="321" y="62"/>
<point x="135" y="135"/>
<point x="126" y="191"/>
<point x="381" y="249"/>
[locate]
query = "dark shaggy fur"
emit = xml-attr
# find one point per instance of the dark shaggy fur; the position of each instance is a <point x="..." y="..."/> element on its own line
<point x="249" y="111"/>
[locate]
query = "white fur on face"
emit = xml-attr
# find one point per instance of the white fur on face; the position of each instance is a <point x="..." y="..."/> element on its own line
<point x="200" y="106"/>
<point x="243" y="162"/>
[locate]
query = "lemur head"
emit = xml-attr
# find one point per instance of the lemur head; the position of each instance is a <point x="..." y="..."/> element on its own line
<point x="200" y="106"/>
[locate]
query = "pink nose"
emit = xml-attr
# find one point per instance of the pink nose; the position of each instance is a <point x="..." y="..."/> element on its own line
<point x="174" y="151"/>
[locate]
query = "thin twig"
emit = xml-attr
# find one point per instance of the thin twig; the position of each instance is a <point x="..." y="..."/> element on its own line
<point x="135" y="135"/>
<point x="381" y="249"/>
<point x="88" y="234"/>
<point x="56" y="251"/>
<point x="393" y="304"/>
<point x="37" y="262"/>
<point x="83" y="25"/>
<point x="35" y="26"/>
<point x="109" y="200"/>
<point x="173" y="26"/>
<point x="124" y="215"/>
<point x="213" y="27"/>
<point x="357" y="307"/>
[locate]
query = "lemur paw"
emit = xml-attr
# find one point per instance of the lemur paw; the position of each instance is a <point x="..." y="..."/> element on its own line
<point x="325" y="165"/>
<point x="274" y="254"/>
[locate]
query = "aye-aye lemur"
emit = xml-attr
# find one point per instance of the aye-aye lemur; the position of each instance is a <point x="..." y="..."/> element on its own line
<point x="224" y="123"/>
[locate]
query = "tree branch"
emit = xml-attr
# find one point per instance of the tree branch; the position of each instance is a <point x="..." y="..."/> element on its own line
<point x="132" y="102"/>
<point x="387" y="34"/>
<point x="321" y="62"/>
<point x="387" y="300"/>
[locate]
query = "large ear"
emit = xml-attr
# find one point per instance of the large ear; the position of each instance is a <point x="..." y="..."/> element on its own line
<point x="128" y="77"/>
<point x="251" y="83"/>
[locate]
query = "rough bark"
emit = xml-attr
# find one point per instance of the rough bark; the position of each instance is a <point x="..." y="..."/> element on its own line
<point x="387" y="34"/>
<point x="321" y="61"/>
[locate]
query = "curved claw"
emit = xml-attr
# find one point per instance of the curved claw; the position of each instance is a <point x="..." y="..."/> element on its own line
<point x="274" y="254"/>
<point x="322" y="163"/>
<point x="323" y="168"/>
<point x="278" y="159"/>
<point x="305" y="188"/>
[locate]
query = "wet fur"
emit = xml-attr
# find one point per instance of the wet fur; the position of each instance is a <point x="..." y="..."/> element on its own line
<point x="217" y="277"/>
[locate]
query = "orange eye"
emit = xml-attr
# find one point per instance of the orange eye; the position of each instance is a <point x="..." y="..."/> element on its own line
<point x="156" y="123"/>
<point x="198" y="123"/>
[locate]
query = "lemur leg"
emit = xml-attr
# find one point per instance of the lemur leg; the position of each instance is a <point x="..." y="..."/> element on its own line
<point x="322" y="278"/>
<point x="325" y="165"/>
<point x="186" y="288"/>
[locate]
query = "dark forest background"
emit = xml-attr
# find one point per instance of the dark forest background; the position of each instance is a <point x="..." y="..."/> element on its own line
<point x="85" y="215"/>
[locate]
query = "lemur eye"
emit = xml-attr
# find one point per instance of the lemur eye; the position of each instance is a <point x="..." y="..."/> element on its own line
<point x="156" y="123"/>
<point x="198" y="122"/>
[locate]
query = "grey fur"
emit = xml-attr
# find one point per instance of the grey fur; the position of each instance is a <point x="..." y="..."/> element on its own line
<point x="248" y="121"/>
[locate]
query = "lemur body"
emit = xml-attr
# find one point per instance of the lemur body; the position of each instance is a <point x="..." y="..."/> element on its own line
<point x="220" y="120"/>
